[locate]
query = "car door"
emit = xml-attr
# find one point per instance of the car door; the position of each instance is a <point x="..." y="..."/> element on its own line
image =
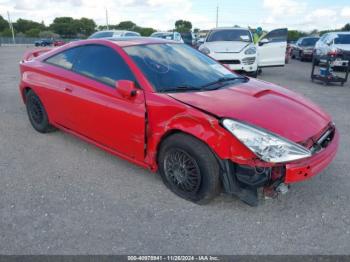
<point x="56" y="83"/>
<point x="322" y="46"/>
<point x="272" y="48"/>
<point x="98" y="111"/>
<point x="296" y="48"/>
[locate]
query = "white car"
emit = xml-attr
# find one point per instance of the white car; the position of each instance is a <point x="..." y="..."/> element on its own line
<point x="114" y="33"/>
<point x="175" y="36"/>
<point x="234" y="47"/>
<point x="336" y="43"/>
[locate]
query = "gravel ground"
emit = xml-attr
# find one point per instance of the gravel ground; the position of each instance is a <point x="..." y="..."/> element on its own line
<point x="60" y="195"/>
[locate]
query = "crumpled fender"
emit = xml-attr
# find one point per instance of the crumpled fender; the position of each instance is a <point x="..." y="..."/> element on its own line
<point x="179" y="117"/>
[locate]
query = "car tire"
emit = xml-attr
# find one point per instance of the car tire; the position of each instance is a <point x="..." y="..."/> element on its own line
<point x="189" y="168"/>
<point x="37" y="114"/>
<point x="301" y="56"/>
<point x="255" y="73"/>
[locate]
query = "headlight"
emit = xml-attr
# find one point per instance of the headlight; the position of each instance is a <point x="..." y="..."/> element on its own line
<point x="267" y="146"/>
<point x="205" y="50"/>
<point x="250" y="51"/>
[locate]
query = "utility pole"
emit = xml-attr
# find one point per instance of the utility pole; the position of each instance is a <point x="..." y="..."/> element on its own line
<point x="11" y="27"/>
<point x="217" y="14"/>
<point x="107" y="19"/>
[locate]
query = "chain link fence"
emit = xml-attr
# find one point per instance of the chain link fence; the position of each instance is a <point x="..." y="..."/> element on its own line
<point x="19" y="40"/>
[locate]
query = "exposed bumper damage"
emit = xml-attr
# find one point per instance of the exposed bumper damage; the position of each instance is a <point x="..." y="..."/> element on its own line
<point x="247" y="182"/>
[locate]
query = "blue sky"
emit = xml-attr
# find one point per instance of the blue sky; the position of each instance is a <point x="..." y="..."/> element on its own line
<point x="161" y="14"/>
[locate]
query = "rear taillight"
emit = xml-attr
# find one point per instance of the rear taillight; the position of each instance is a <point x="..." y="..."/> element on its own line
<point x="334" y="52"/>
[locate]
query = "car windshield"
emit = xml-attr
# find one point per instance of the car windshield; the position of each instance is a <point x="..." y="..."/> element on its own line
<point x="309" y="41"/>
<point x="229" y="35"/>
<point x="342" y="39"/>
<point x="178" y="67"/>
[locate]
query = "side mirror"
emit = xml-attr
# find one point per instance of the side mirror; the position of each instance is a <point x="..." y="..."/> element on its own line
<point x="264" y="41"/>
<point x="126" y="88"/>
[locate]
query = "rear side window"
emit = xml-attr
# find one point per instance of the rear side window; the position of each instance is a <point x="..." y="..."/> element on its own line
<point x="102" y="64"/>
<point x="64" y="59"/>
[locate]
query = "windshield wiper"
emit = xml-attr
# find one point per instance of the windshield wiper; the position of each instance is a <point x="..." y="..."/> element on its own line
<point x="180" y="88"/>
<point x="222" y="80"/>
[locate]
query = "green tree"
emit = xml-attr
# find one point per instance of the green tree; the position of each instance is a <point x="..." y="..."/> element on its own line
<point x="6" y="32"/>
<point x="65" y="26"/>
<point x="48" y="34"/>
<point x="126" y="25"/>
<point x="294" y="35"/>
<point x="183" y="26"/>
<point x="85" y="26"/>
<point x="144" y="31"/>
<point x="346" y="27"/>
<point x="23" y="25"/>
<point x="34" y="32"/>
<point x="3" y="24"/>
<point x="196" y="30"/>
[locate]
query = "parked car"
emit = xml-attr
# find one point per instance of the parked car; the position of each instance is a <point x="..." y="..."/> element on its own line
<point x="58" y="43"/>
<point x="199" y="42"/>
<point x="334" y="43"/>
<point x="188" y="38"/>
<point x="234" y="48"/>
<point x="288" y="53"/>
<point x="43" y="42"/>
<point x="175" y="36"/>
<point x="304" y="47"/>
<point x="114" y="33"/>
<point x="169" y="108"/>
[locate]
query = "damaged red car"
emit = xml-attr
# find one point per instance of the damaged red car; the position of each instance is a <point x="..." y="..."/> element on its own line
<point x="169" y="108"/>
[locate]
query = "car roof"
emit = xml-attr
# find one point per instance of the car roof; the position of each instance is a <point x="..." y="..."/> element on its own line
<point x="164" y="32"/>
<point x="129" y="41"/>
<point x="229" y="28"/>
<point x="113" y="31"/>
<point x="307" y="37"/>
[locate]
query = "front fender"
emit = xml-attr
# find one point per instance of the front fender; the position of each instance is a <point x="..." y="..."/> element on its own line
<point x="179" y="117"/>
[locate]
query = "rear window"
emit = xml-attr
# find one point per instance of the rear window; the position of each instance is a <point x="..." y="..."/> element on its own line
<point x="102" y="35"/>
<point x="309" y="41"/>
<point x="132" y="34"/>
<point x="229" y="35"/>
<point x="64" y="59"/>
<point x="342" y="39"/>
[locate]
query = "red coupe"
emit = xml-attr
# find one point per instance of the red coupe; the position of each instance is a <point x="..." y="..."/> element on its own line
<point x="167" y="107"/>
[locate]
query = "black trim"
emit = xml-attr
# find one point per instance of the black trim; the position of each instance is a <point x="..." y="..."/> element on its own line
<point x="87" y="76"/>
<point x="272" y="66"/>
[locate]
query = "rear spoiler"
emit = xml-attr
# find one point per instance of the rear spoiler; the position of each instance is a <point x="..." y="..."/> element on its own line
<point x="30" y="55"/>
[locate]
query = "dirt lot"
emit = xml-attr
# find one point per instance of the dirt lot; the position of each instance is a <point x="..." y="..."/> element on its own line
<point x="59" y="195"/>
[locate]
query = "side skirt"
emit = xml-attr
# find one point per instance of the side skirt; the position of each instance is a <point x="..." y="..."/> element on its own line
<point x="104" y="147"/>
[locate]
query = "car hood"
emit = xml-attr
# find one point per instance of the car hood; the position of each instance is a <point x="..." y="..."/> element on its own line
<point x="262" y="104"/>
<point x="345" y="47"/>
<point x="226" y="46"/>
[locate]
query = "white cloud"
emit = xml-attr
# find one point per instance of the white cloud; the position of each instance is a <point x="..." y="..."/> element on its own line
<point x="162" y="14"/>
<point x="296" y="14"/>
<point x="345" y="12"/>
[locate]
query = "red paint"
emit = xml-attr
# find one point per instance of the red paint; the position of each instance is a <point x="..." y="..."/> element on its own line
<point x="116" y="122"/>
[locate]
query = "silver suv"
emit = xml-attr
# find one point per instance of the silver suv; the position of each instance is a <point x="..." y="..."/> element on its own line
<point x="334" y="43"/>
<point x="114" y="33"/>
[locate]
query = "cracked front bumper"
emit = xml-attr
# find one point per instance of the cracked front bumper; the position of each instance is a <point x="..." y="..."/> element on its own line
<point x="307" y="168"/>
